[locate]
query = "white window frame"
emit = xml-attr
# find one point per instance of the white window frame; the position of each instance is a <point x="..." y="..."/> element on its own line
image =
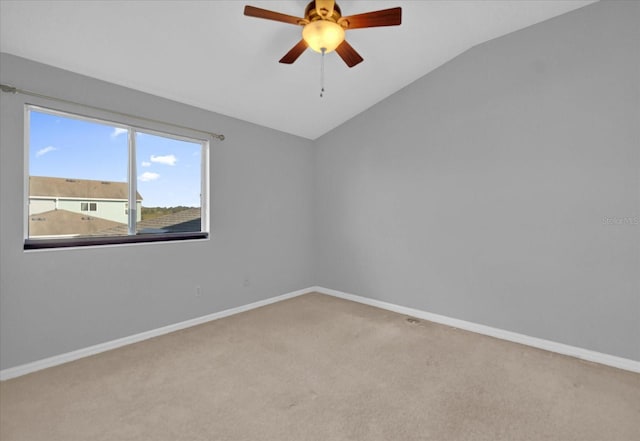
<point x="133" y="128"/>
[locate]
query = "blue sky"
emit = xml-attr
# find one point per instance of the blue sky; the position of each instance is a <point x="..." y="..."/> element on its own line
<point x="168" y="169"/>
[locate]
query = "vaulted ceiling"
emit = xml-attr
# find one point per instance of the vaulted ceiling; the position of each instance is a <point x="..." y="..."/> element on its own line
<point x="208" y="54"/>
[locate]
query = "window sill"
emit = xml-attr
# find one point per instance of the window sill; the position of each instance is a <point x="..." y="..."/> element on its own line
<point x="39" y="244"/>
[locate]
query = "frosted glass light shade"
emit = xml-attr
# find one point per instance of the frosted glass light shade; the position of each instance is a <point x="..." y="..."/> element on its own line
<point x="321" y="34"/>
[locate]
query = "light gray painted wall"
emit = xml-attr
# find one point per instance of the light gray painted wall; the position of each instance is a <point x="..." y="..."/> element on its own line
<point x="57" y="301"/>
<point x="479" y="191"/>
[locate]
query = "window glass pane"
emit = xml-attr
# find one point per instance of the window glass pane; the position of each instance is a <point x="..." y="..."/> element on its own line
<point x="76" y="166"/>
<point x="169" y="184"/>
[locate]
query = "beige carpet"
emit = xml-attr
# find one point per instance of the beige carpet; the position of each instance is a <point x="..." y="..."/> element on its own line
<point x="320" y="368"/>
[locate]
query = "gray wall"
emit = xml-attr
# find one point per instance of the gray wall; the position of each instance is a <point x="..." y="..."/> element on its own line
<point x="479" y="191"/>
<point x="57" y="301"/>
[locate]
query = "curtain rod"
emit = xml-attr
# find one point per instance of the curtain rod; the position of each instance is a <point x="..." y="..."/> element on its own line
<point x="10" y="89"/>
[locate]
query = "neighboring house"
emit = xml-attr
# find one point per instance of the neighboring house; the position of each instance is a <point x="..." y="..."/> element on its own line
<point x="82" y="207"/>
<point x="100" y="199"/>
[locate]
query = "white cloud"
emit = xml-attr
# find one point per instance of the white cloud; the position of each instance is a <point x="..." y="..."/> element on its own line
<point x="117" y="131"/>
<point x="167" y="159"/>
<point x="146" y="164"/>
<point x="148" y="176"/>
<point x="45" y="150"/>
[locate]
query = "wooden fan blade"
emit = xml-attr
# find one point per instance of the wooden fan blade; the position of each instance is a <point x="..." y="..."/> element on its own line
<point x="385" y="17"/>
<point x="348" y="54"/>
<point x="252" y="11"/>
<point x="294" y="53"/>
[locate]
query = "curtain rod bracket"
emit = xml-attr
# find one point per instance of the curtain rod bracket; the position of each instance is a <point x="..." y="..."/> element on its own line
<point x="8" y="89"/>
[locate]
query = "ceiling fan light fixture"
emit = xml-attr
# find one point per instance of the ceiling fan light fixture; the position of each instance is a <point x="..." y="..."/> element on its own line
<point x="323" y="35"/>
<point x="324" y="28"/>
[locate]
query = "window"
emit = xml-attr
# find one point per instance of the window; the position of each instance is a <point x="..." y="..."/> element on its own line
<point x="88" y="206"/>
<point x="139" y="185"/>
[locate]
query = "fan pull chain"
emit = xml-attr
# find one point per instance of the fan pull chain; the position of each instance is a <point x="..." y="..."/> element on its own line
<point x="322" y="73"/>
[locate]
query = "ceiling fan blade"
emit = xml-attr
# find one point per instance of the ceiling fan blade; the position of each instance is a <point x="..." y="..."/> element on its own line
<point x="294" y="53"/>
<point x="252" y="11"/>
<point x="385" y="17"/>
<point x="348" y="54"/>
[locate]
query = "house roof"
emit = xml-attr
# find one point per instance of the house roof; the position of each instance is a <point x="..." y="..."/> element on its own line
<point x="180" y="222"/>
<point x="63" y="222"/>
<point x="78" y="188"/>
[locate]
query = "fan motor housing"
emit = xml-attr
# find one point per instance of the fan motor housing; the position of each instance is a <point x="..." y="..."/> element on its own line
<point x="311" y="13"/>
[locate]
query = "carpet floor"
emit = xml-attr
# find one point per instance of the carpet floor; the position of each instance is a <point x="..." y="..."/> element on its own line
<point x="320" y="368"/>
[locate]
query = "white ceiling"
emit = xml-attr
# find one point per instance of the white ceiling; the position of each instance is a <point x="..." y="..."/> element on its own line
<point x="208" y="54"/>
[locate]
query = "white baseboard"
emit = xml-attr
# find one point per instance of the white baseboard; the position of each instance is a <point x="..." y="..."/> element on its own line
<point x="548" y="345"/>
<point x="560" y="348"/>
<point x="34" y="366"/>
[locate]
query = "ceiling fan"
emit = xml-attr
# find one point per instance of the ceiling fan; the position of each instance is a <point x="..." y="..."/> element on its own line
<point x="324" y="28"/>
